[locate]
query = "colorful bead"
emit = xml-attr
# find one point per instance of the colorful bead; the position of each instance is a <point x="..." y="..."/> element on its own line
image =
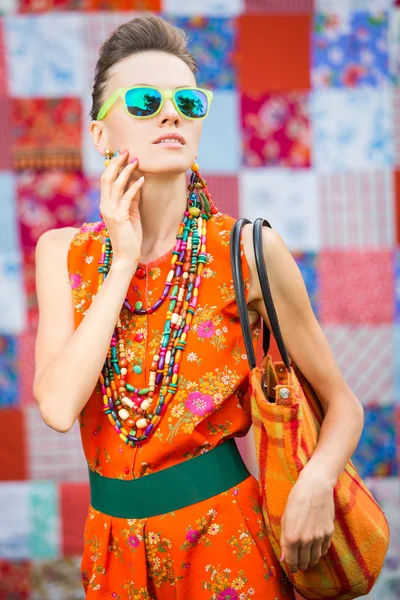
<point x="142" y="411"/>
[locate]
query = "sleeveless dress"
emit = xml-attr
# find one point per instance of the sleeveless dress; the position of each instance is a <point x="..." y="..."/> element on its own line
<point x="217" y="549"/>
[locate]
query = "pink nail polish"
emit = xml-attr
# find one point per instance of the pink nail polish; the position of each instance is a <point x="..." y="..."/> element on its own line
<point x="132" y="161"/>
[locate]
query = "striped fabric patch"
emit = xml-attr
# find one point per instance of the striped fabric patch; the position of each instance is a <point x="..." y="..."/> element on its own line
<point x="365" y="357"/>
<point x="357" y="209"/>
<point x="47" y="449"/>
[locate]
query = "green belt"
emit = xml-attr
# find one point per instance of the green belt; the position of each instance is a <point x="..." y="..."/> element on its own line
<point x="170" y="489"/>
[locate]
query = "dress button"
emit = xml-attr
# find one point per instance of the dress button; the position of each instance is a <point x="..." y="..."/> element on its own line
<point x="140" y="272"/>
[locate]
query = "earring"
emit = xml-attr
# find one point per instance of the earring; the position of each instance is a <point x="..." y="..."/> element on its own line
<point x="108" y="153"/>
<point x="198" y="193"/>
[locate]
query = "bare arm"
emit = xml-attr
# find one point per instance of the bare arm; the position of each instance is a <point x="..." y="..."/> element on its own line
<point x="68" y="362"/>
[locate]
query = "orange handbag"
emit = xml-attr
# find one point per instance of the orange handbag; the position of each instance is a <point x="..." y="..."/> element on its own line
<point x="287" y="417"/>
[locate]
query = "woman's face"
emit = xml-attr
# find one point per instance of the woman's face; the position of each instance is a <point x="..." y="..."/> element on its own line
<point x="162" y="70"/>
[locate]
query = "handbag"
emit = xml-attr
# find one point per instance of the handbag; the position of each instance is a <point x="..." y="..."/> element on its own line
<point x="286" y="418"/>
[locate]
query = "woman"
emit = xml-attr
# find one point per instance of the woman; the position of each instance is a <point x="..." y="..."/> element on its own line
<point x="174" y="512"/>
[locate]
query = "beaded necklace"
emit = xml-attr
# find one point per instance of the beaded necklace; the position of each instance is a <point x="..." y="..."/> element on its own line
<point x="129" y="409"/>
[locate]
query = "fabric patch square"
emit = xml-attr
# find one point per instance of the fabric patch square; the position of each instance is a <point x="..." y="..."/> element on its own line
<point x="47" y="200"/>
<point x="224" y="191"/>
<point x="57" y="579"/>
<point x="45" y="55"/>
<point x="13" y="317"/>
<point x="357" y="209"/>
<point x="212" y="43"/>
<point x="357" y="287"/>
<point x="47" y="133"/>
<point x="375" y="455"/>
<point x="15" y="520"/>
<point x="5" y="132"/>
<point x="365" y="355"/>
<point x="9" y="234"/>
<point x="9" y="375"/>
<point x="15" y="579"/>
<point x="219" y="148"/>
<point x="13" y="464"/>
<point x="386" y="491"/>
<point x="287" y="199"/>
<point x="350" y="49"/>
<point x="307" y="263"/>
<point x="279" y="6"/>
<point x="44" y="508"/>
<point x="276" y="130"/>
<point x="74" y="506"/>
<point x="51" y="455"/>
<point x="352" y="129"/>
<point x="263" y="38"/>
<point x="216" y="8"/>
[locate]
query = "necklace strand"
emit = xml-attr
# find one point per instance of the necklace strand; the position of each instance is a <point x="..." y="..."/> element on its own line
<point x="131" y="410"/>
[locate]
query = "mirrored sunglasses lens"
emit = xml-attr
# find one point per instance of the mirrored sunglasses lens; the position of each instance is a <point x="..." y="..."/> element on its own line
<point x="192" y="103"/>
<point x="142" y="102"/>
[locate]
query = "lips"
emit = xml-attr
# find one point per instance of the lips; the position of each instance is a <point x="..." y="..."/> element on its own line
<point x="173" y="138"/>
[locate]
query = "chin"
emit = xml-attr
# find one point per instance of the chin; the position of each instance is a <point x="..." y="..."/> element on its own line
<point x="176" y="165"/>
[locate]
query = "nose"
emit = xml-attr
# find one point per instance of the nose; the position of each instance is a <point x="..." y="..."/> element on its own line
<point x="168" y="114"/>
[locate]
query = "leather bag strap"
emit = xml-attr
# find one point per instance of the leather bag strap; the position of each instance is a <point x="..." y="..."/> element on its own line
<point x="238" y="284"/>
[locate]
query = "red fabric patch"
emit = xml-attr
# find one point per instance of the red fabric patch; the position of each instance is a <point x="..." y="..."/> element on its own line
<point x="356" y="287"/>
<point x="74" y="504"/>
<point x="276" y="130"/>
<point x="273" y="53"/>
<point x="47" y="133"/>
<point x="12" y="447"/>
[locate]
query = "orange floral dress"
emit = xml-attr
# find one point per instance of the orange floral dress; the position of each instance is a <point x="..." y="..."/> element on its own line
<point x="216" y="549"/>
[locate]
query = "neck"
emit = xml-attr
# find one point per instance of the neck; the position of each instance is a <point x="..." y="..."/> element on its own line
<point x="162" y="204"/>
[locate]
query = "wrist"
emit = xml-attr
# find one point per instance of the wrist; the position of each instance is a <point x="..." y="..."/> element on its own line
<point x="124" y="266"/>
<point x="319" y="475"/>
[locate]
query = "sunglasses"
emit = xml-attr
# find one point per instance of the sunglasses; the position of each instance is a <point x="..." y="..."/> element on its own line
<point x="143" y="101"/>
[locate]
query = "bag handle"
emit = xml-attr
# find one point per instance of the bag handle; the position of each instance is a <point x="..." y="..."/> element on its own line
<point x="238" y="285"/>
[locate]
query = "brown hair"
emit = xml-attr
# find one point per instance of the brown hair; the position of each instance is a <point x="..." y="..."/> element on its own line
<point x="148" y="32"/>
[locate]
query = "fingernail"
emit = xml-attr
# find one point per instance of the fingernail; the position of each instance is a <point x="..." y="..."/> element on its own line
<point x="132" y="161"/>
<point x="281" y="558"/>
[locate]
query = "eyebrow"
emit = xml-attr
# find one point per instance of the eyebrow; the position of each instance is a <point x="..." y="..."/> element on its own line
<point x="155" y="86"/>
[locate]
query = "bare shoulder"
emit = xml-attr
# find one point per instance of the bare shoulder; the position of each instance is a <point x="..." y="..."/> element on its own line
<point x="59" y="239"/>
<point x="53" y="245"/>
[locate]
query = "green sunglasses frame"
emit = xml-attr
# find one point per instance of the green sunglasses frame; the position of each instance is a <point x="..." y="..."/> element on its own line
<point x="165" y="93"/>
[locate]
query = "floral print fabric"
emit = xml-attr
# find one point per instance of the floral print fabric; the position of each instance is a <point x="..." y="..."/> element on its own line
<point x="215" y="549"/>
<point x="276" y="130"/>
<point x="350" y="49"/>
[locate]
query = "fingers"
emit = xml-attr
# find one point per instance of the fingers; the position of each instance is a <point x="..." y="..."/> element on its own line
<point x="122" y="179"/>
<point x="108" y="179"/>
<point x="130" y="194"/>
<point x="292" y="556"/>
<point x="315" y="555"/>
